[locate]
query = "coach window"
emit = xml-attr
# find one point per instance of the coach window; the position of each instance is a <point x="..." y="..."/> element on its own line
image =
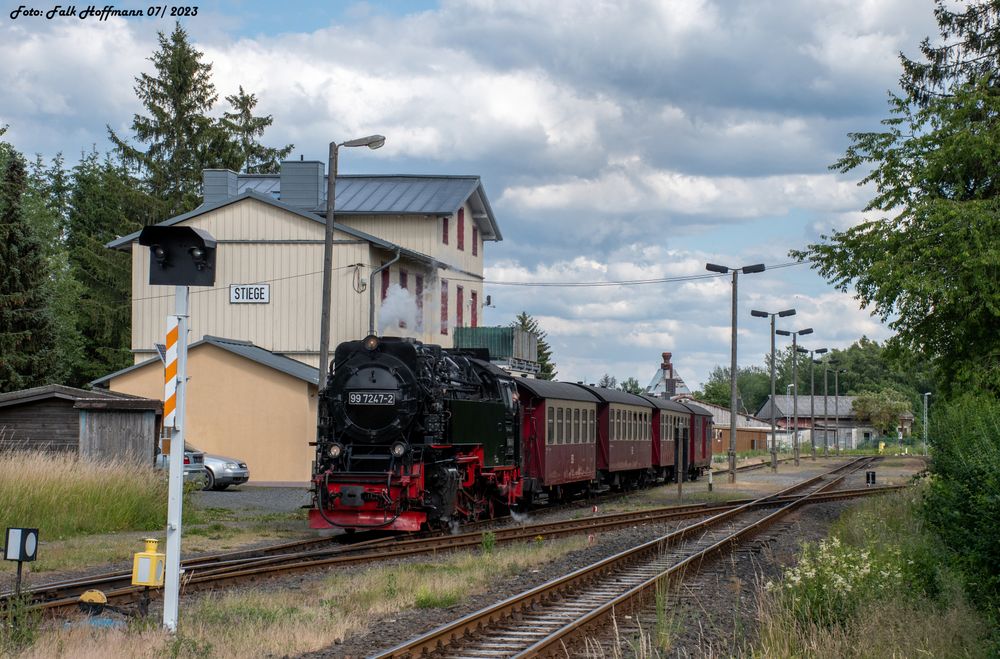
<point x="591" y="435"/>
<point x="551" y="419"/>
<point x="619" y="431"/>
<point x="576" y="426"/>
<point x="561" y="432"/>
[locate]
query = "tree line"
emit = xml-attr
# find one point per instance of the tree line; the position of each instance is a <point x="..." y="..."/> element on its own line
<point x="65" y="299"/>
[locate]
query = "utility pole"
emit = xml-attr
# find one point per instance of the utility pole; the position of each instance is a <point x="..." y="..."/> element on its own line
<point x="836" y="405"/>
<point x="795" y="384"/>
<point x="812" y="396"/>
<point x="711" y="267"/>
<point x="826" y="412"/>
<point x="926" y="396"/>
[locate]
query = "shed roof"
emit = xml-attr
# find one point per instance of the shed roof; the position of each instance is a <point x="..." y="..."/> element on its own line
<point x="83" y="398"/>
<point x="557" y="390"/>
<point x="838" y="406"/>
<point x="243" y="349"/>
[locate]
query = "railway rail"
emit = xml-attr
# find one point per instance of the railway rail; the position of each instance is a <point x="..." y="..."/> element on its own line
<point x="543" y="620"/>
<point x="247" y="565"/>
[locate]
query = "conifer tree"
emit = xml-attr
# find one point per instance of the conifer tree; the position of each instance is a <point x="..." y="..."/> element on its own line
<point x="27" y="353"/>
<point x="529" y="324"/>
<point x="240" y="131"/>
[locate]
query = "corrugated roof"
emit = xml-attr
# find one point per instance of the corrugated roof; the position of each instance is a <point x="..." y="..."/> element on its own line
<point x="390" y="195"/>
<point x="840" y="406"/>
<point x="557" y="390"/>
<point x="244" y="349"/>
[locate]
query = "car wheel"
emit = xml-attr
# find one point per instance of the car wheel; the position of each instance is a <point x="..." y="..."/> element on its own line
<point x="209" y="480"/>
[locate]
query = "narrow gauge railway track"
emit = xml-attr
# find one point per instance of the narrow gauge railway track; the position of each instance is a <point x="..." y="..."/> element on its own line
<point x="231" y="568"/>
<point x="542" y="621"/>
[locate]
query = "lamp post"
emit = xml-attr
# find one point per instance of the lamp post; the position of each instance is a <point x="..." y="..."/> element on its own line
<point x="795" y="383"/>
<point x="812" y="395"/>
<point x="749" y="269"/>
<point x="372" y="142"/>
<point x="788" y="417"/>
<point x="836" y="405"/>
<point x="764" y="314"/>
<point x="926" y="395"/>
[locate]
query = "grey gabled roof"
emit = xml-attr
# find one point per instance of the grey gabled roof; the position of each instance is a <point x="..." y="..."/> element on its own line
<point x="391" y="195"/>
<point x="122" y="242"/>
<point x="244" y="349"/>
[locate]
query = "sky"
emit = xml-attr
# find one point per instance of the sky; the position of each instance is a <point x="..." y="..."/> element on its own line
<point x="616" y="140"/>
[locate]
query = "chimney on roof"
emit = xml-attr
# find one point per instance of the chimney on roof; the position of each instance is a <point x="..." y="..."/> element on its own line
<point x="669" y="383"/>
<point x="218" y="185"/>
<point x="302" y="183"/>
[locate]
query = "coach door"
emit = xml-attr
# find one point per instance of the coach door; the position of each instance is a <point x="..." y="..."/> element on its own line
<point x="681" y="457"/>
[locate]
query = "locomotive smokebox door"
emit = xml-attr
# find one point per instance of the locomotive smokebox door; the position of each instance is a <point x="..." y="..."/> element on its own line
<point x="179" y="256"/>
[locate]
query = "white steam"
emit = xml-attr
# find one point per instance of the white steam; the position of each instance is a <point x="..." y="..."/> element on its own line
<point x="398" y="314"/>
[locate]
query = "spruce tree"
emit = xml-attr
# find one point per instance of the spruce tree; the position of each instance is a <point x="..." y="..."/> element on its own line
<point x="529" y="324"/>
<point x="240" y="131"/>
<point x="27" y="356"/>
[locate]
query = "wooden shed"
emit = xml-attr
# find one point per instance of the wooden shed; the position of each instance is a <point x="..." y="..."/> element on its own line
<point x="99" y="425"/>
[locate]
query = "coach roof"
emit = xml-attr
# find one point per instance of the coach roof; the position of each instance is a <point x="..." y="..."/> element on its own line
<point x="667" y="404"/>
<point x="616" y="396"/>
<point x="556" y="390"/>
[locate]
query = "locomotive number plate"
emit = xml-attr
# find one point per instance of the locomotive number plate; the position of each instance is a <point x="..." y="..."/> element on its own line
<point x="371" y="398"/>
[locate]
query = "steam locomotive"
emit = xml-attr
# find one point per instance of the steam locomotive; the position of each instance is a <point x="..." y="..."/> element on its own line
<point x="415" y="436"/>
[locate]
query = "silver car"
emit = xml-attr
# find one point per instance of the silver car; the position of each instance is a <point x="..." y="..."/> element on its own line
<point x="194" y="465"/>
<point x="221" y="472"/>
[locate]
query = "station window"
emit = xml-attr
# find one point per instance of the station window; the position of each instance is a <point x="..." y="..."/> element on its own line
<point x="418" y="292"/>
<point x="460" y="306"/>
<point x="474" y="308"/>
<point x="475" y="240"/>
<point x="461" y="229"/>
<point x="444" y="230"/>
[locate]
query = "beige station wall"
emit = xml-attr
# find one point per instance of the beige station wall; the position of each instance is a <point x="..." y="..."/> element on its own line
<point x="240" y="409"/>
<point x="280" y="248"/>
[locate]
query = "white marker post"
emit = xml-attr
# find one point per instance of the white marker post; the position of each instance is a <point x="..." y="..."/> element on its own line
<point x="175" y="379"/>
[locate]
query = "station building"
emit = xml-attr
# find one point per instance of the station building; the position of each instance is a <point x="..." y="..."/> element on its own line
<point x="255" y="334"/>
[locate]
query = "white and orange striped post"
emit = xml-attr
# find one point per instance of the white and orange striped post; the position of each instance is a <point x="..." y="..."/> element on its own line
<point x="175" y="386"/>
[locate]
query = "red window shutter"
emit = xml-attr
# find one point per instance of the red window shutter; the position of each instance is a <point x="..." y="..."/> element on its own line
<point x="475" y="240"/>
<point x="418" y="292"/>
<point x="475" y="307"/>
<point x="461" y="229"/>
<point x="444" y="230"/>
<point x="385" y="283"/>
<point x="459" y="304"/>
<point x="444" y="306"/>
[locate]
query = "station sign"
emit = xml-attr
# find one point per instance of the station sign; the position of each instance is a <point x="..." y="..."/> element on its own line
<point x="249" y="293"/>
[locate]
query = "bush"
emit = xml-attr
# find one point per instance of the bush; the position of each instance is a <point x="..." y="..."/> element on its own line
<point x="960" y="507"/>
<point x="65" y="496"/>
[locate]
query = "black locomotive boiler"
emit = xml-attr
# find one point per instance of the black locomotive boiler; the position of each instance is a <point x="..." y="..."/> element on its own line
<point x="412" y="435"/>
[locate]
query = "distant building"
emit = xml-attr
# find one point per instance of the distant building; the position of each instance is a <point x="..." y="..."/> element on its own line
<point x="751" y="432"/>
<point x="835" y="418"/>
<point x="666" y="383"/>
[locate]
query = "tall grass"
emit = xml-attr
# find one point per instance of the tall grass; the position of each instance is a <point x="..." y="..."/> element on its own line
<point x="64" y="496"/>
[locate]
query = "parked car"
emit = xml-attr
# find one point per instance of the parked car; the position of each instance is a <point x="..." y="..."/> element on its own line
<point x="194" y="465"/>
<point x="221" y="472"/>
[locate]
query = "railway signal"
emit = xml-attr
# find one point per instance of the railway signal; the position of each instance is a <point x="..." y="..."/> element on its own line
<point x="21" y="546"/>
<point x="181" y="257"/>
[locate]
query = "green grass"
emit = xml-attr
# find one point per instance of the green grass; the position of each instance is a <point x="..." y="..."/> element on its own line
<point x="65" y="497"/>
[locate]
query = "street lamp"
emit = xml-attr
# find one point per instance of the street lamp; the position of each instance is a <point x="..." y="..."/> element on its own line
<point x="795" y="381"/>
<point x="812" y="394"/>
<point x="749" y="269"/>
<point x="764" y="314"/>
<point x="372" y="142"/>
<point x="836" y="403"/>
<point x="926" y="395"/>
<point x="788" y="417"/>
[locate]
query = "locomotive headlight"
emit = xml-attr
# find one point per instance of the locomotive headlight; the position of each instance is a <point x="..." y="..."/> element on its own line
<point x="371" y="342"/>
<point x="398" y="449"/>
<point x="335" y="450"/>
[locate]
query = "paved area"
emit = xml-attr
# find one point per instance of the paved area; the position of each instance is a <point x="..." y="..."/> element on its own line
<point x="263" y="499"/>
